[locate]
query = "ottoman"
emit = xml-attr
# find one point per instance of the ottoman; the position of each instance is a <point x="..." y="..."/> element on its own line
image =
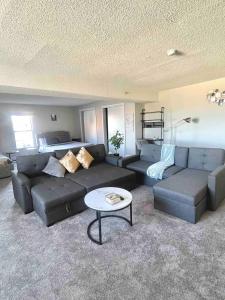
<point x="55" y="199"/>
<point x="183" y="195"/>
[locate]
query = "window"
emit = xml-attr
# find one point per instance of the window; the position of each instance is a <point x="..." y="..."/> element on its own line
<point x="23" y="131"/>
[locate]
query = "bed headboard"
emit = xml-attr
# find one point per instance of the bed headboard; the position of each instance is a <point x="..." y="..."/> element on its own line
<point x="53" y="137"/>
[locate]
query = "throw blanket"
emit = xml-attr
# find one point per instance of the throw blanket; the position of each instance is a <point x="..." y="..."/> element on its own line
<point x="167" y="159"/>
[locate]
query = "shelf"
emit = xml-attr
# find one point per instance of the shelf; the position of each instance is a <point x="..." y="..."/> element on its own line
<point x="153" y="123"/>
<point x="153" y="126"/>
<point x="151" y="112"/>
<point x="155" y="140"/>
<point x="152" y="120"/>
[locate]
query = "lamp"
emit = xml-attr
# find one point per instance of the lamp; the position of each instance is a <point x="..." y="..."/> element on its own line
<point x="216" y="96"/>
<point x="175" y="125"/>
<point x="187" y="120"/>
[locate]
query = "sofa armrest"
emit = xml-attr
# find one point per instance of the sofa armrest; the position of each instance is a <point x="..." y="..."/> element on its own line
<point x="112" y="160"/>
<point x="22" y="191"/>
<point x="124" y="161"/>
<point x="216" y="185"/>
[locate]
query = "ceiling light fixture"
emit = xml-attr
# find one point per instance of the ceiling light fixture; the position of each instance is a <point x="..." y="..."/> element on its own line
<point x="171" y="52"/>
<point x="215" y="96"/>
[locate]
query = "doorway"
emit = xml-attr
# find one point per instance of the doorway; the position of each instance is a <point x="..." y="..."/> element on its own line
<point x="88" y="125"/>
<point x="113" y="120"/>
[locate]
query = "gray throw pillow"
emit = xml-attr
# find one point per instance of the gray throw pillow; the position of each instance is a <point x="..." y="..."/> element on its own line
<point x="140" y="142"/>
<point x="54" y="168"/>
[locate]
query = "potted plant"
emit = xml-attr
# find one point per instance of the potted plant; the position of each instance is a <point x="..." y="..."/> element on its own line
<point x="116" y="141"/>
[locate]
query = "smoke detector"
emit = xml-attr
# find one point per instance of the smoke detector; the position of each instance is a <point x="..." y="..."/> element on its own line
<point x="171" y="52"/>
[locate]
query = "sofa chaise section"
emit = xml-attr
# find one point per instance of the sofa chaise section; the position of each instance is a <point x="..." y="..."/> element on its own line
<point x="55" y="199"/>
<point x="211" y="159"/>
<point x="216" y="186"/>
<point x="194" y="183"/>
<point x="183" y="195"/>
<point x="190" y="192"/>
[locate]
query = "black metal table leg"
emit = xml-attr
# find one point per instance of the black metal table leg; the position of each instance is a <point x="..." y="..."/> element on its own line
<point x="99" y="218"/>
<point x="99" y="227"/>
<point x="131" y="218"/>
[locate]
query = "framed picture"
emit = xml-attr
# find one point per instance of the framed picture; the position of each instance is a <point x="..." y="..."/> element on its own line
<point x="53" y="117"/>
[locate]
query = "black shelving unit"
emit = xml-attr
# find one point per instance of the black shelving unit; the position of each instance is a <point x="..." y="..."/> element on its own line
<point x="153" y="123"/>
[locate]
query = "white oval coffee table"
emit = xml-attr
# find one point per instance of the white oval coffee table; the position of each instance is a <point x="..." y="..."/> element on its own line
<point x="96" y="201"/>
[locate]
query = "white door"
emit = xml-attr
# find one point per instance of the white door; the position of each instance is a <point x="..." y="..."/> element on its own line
<point x="116" y="122"/>
<point x="89" y="126"/>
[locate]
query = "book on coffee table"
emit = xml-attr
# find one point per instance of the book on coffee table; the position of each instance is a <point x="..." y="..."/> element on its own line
<point x="113" y="198"/>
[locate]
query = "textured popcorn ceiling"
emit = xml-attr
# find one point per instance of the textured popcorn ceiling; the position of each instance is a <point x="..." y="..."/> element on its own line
<point x="106" y="47"/>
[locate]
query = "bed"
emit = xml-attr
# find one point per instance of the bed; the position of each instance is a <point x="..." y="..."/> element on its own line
<point x="57" y="140"/>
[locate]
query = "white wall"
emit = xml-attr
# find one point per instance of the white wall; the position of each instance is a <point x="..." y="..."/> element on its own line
<point x="89" y="126"/>
<point x="130" y="134"/>
<point x="116" y="121"/>
<point x="132" y="123"/>
<point x="138" y="124"/>
<point x="67" y="119"/>
<point x="190" y="101"/>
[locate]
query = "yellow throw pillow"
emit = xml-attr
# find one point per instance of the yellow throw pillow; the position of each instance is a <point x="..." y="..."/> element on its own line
<point x="85" y="158"/>
<point x="70" y="162"/>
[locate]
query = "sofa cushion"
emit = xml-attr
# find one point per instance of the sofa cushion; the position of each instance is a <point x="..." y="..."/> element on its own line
<point x="101" y="175"/>
<point x="96" y="151"/>
<point x="189" y="186"/>
<point x="139" y="166"/>
<point x="50" y="192"/>
<point x="59" y="154"/>
<point x="85" y="158"/>
<point x="54" y="168"/>
<point x="40" y="179"/>
<point x="70" y="162"/>
<point x="140" y="143"/>
<point x="181" y="157"/>
<point x="150" y="152"/>
<point x="171" y="171"/>
<point x="205" y="158"/>
<point x="32" y="165"/>
<point x="142" y="166"/>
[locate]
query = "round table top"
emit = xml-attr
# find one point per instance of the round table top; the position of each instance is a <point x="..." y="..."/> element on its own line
<point x="96" y="199"/>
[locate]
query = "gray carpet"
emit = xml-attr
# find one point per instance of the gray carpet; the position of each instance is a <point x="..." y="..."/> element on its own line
<point x="160" y="257"/>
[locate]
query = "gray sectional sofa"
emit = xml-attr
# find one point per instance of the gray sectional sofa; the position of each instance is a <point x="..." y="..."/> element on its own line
<point x="55" y="199"/>
<point x="194" y="183"/>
